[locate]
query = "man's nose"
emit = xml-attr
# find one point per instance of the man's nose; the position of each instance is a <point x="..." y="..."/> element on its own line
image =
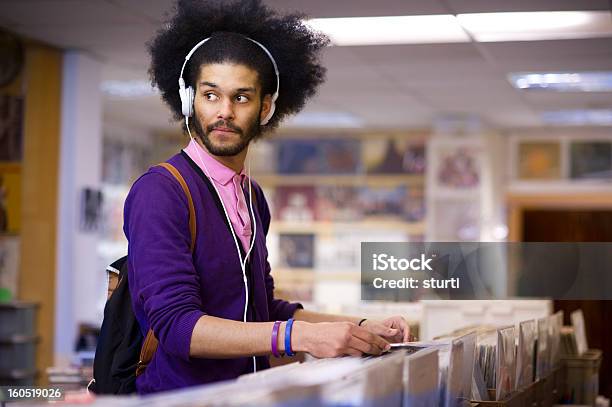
<point x="226" y="110"/>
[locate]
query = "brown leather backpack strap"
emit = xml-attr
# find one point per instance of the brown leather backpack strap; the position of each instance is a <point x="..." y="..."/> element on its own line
<point x="192" y="221"/>
<point x="149" y="346"/>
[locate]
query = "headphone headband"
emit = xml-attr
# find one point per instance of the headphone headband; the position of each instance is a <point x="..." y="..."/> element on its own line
<point x="187" y="94"/>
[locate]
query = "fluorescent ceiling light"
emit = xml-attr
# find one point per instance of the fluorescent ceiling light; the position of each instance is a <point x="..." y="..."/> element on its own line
<point x="391" y="30"/>
<point x="325" y="120"/>
<point x="563" y="81"/>
<point x="581" y="117"/>
<point x="538" y="25"/>
<point x="128" y="89"/>
<point x="446" y="28"/>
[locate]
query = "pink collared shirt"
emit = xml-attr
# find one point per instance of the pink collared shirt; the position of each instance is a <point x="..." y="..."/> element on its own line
<point x="228" y="183"/>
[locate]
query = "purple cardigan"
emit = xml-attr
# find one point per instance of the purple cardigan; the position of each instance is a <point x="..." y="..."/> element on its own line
<point x="171" y="288"/>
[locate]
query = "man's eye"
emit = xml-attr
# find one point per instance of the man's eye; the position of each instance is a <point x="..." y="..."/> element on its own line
<point x="242" y="99"/>
<point x="210" y="96"/>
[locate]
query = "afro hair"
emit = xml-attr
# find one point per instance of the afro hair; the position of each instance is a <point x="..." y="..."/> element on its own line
<point x="293" y="45"/>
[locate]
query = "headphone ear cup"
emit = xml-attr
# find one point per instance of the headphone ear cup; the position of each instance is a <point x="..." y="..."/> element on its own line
<point x="186" y="95"/>
<point x="270" y="114"/>
<point x="190" y="96"/>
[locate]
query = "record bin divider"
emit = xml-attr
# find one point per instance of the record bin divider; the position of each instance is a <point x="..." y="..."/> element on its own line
<point x="541" y="393"/>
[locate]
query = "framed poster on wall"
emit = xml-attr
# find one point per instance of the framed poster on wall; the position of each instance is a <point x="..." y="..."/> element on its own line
<point x="591" y="159"/>
<point x="10" y="197"/>
<point x="539" y="160"/>
<point x="11" y="120"/>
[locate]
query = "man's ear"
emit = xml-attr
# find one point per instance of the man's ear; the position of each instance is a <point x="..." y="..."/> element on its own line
<point x="266" y="104"/>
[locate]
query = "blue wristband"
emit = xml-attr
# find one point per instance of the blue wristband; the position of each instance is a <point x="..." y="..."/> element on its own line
<point x="288" y="350"/>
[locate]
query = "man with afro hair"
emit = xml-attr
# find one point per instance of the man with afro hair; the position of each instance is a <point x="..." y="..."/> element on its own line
<point x="231" y="71"/>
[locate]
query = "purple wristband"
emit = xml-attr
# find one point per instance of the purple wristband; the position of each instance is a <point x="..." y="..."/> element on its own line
<point x="274" y="340"/>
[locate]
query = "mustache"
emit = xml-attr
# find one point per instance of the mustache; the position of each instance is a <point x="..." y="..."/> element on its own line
<point x="223" y="123"/>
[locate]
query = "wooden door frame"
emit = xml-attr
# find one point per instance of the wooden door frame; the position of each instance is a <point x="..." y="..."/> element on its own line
<point x="39" y="195"/>
<point x="577" y="200"/>
<point x="518" y="203"/>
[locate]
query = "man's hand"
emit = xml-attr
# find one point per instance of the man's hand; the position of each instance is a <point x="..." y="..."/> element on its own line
<point x="394" y="329"/>
<point x="333" y="339"/>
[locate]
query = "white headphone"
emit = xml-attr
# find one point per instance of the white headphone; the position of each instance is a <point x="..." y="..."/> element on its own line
<point x="187" y="94"/>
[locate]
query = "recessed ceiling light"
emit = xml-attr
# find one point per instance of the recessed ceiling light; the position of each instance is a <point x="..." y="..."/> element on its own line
<point x="447" y="28"/>
<point x="538" y="25"/>
<point x="128" y="89"/>
<point x="325" y="120"/>
<point x="563" y="81"/>
<point x="391" y="30"/>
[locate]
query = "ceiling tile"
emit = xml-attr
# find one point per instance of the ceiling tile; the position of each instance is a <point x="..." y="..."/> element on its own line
<point x="425" y="53"/>
<point x="539" y="52"/>
<point x="6" y="22"/>
<point x="137" y="59"/>
<point x="543" y="100"/>
<point x="155" y="10"/>
<point x="90" y="36"/>
<point x="419" y="74"/>
<point x="510" y="118"/>
<point x="122" y="73"/>
<point x="150" y="113"/>
<point x="65" y="12"/>
<point x="483" y="97"/>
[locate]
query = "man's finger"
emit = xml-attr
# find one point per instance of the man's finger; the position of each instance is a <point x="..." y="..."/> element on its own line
<point x="382" y="330"/>
<point x="397" y="338"/>
<point x="401" y="324"/>
<point x="353" y="352"/>
<point x="391" y="332"/>
<point x="369" y="337"/>
<point x="406" y="330"/>
<point x="360" y="345"/>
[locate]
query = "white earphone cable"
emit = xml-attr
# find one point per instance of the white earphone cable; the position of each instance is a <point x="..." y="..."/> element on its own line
<point x="254" y="223"/>
<point x="242" y="262"/>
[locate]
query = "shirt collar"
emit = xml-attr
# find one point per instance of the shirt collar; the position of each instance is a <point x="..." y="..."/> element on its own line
<point x="216" y="170"/>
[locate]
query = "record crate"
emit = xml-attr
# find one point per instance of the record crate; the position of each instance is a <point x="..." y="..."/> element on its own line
<point x="515" y="399"/>
<point x="18" y="342"/>
<point x="549" y="391"/>
<point x="541" y="393"/>
<point x="581" y="377"/>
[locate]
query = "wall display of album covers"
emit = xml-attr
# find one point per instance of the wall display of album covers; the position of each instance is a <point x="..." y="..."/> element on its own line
<point x="296" y="250"/>
<point x="338" y="204"/>
<point x="591" y="160"/>
<point x="318" y="156"/>
<point x="393" y="156"/>
<point x="539" y="160"/>
<point x="11" y="119"/>
<point x="295" y="203"/>
<point x="458" y="168"/>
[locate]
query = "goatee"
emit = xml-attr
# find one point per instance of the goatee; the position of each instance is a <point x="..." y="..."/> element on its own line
<point x="224" y="151"/>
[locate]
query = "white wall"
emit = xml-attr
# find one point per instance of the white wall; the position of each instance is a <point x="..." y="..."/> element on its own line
<point x="80" y="285"/>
